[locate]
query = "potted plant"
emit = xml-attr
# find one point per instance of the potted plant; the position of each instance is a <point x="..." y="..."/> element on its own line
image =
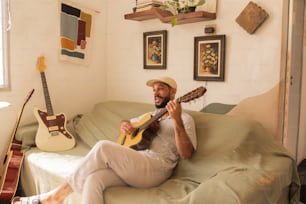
<point x="209" y="60"/>
<point x="181" y="6"/>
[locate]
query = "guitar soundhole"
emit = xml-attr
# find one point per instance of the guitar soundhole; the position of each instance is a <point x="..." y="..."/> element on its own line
<point x="147" y="137"/>
<point x="135" y="133"/>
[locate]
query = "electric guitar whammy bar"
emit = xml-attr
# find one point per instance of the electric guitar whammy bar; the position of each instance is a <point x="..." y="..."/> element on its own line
<point x="52" y="134"/>
<point x="12" y="162"/>
<point x="141" y="138"/>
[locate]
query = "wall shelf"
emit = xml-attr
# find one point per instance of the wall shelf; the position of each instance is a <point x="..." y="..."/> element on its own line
<point x="166" y="16"/>
<point x="148" y="14"/>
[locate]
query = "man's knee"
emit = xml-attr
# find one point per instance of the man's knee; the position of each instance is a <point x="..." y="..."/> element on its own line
<point x="104" y="149"/>
<point x="104" y="145"/>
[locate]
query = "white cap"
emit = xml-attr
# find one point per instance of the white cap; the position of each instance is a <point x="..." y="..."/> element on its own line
<point x="167" y="80"/>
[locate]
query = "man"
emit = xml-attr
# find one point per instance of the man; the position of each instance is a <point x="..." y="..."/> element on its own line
<point x="110" y="164"/>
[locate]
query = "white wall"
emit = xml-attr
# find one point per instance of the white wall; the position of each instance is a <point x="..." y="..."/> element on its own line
<point x="116" y="70"/>
<point x="73" y="88"/>
<point x="252" y="61"/>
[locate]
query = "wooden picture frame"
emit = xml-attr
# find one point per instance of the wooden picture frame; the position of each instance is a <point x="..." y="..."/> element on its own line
<point x="209" y="58"/>
<point x="155" y="49"/>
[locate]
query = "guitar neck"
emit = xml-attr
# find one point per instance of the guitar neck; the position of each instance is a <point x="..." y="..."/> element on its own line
<point x="46" y="94"/>
<point x="158" y="115"/>
<point x="13" y="137"/>
<point x="14" y="143"/>
<point x="153" y="119"/>
<point x="196" y="93"/>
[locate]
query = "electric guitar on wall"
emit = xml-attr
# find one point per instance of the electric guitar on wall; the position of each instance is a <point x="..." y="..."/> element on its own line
<point x="52" y="134"/>
<point x="141" y="138"/>
<point x="12" y="162"/>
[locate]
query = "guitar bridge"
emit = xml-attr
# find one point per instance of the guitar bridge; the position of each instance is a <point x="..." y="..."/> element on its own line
<point x="54" y="133"/>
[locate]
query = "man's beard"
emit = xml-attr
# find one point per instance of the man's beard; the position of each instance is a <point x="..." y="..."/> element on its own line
<point x="164" y="103"/>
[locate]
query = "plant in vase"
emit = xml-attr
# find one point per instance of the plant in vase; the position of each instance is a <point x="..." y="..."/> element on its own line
<point x="209" y="59"/>
<point x="181" y="6"/>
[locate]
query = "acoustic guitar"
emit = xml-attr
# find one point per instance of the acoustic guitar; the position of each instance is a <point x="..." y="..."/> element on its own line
<point x="12" y="162"/>
<point x="52" y="134"/>
<point x="141" y="138"/>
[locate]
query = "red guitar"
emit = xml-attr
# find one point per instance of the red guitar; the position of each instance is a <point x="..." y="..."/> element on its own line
<point x="12" y="163"/>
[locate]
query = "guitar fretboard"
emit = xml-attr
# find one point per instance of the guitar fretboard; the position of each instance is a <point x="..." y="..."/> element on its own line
<point x="46" y="94"/>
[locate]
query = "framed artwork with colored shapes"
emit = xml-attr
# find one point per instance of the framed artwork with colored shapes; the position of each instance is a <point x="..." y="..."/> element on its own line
<point x="75" y="32"/>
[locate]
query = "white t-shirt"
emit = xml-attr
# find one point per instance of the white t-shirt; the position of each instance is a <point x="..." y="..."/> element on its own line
<point x="163" y="145"/>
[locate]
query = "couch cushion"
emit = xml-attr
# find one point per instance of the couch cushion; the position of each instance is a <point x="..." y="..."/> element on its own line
<point x="218" y="108"/>
<point x="103" y="121"/>
<point x="226" y="141"/>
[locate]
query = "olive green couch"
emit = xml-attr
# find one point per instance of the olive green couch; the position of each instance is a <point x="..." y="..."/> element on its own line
<point x="236" y="162"/>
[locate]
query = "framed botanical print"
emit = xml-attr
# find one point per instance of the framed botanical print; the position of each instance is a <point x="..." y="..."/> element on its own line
<point x="209" y="58"/>
<point x="155" y="49"/>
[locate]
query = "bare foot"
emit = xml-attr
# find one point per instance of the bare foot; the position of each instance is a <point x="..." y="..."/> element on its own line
<point x="56" y="196"/>
<point x="38" y="199"/>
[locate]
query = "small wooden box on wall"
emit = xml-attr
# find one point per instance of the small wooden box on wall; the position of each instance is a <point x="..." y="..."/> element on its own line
<point x="251" y="17"/>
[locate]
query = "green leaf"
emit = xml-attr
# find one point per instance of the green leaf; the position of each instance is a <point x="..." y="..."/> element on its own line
<point x="201" y="2"/>
<point x="174" y="21"/>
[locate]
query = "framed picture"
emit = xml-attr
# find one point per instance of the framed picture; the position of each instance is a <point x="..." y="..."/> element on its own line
<point x="155" y="49"/>
<point x="209" y="58"/>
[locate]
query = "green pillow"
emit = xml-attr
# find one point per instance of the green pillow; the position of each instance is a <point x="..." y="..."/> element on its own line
<point x="218" y="108"/>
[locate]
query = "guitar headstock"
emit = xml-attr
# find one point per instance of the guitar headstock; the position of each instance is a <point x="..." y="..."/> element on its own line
<point x="41" y="66"/>
<point x="196" y="93"/>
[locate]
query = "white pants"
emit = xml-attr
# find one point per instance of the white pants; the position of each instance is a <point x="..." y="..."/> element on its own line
<point x="110" y="164"/>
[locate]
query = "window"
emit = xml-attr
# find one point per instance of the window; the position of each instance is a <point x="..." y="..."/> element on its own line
<point x="5" y="26"/>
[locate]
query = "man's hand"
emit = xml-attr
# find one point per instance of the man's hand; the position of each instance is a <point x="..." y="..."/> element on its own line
<point x="174" y="109"/>
<point x="126" y="127"/>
